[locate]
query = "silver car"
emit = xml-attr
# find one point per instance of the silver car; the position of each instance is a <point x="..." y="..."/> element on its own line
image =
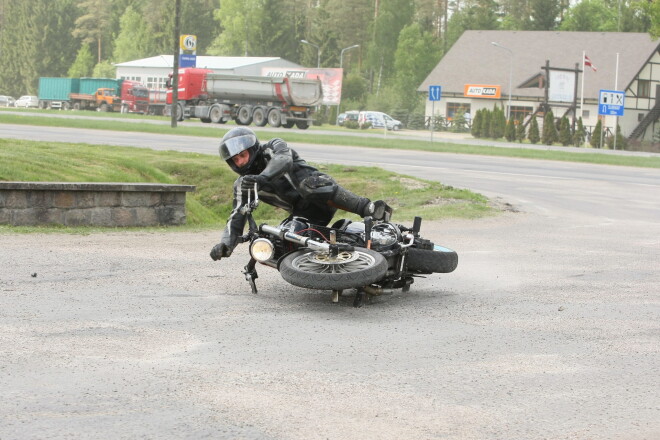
<point x="27" y="101"/>
<point x="6" y="101"/>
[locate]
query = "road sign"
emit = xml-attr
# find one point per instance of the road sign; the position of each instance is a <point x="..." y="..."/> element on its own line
<point x="611" y="102"/>
<point x="435" y="93"/>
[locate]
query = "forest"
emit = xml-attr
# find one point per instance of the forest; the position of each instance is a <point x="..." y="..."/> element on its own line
<point x="400" y="41"/>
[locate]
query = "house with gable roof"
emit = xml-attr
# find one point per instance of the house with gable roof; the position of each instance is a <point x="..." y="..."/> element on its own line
<point x="500" y="58"/>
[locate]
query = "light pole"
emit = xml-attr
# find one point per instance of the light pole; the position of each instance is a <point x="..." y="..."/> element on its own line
<point x="508" y="111"/>
<point x="341" y="65"/>
<point x="318" y="52"/>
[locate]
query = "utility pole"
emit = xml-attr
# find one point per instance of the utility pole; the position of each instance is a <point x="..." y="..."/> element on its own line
<point x="175" y="67"/>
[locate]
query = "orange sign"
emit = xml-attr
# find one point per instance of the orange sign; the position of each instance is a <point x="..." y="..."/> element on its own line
<point x="481" y="91"/>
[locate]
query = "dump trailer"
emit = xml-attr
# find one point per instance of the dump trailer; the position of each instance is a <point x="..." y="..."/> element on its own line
<point x="261" y="100"/>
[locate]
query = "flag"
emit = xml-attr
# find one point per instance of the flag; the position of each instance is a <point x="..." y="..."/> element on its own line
<point x="587" y="62"/>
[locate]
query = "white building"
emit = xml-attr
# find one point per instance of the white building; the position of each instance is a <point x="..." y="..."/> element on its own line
<point x="153" y="71"/>
<point x="500" y="58"/>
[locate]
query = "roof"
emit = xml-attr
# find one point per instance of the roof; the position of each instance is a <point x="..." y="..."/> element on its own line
<point x="473" y="59"/>
<point x="202" y="62"/>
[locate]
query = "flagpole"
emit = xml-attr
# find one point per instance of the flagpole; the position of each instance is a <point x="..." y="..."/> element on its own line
<point x="582" y="88"/>
<point x="616" y="87"/>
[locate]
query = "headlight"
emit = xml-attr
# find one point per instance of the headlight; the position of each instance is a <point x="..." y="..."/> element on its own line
<point x="262" y="249"/>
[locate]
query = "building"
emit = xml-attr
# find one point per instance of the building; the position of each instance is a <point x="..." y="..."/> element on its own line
<point x="154" y="71"/>
<point x="496" y="59"/>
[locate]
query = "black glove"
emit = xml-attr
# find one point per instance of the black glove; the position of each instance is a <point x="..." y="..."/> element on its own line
<point x="247" y="183"/>
<point x="220" y="250"/>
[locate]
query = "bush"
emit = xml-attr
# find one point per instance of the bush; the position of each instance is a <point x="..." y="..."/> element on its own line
<point x="534" y="131"/>
<point x="510" y="131"/>
<point x="549" y="135"/>
<point x="520" y="131"/>
<point x="579" y="136"/>
<point x="416" y="121"/>
<point x="565" y="135"/>
<point x="595" y="136"/>
<point x="351" y="124"/>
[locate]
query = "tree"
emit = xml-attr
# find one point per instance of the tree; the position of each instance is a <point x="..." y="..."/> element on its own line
<point x="132" y="41"/>
<point x="596" y="135"/>
<point x="95" y="24"/>
<point x="549" y="135"/>
<point x="520" y="131"/>
<point x="590" y="16"/>
<point x="477" y="124"/>
<point x="416" y="55"/>
<point x="534" y="131"/>
<point x="565" y="135"/>
<point x="579" y="135"/>
<point x="621" y="143"/>
<point x="84" y="63"/>
<point x="104" y="69"/>
<point x="544" y="14"/>
<point x="510" y="131"/>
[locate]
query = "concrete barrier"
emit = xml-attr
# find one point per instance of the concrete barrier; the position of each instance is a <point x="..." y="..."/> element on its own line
<point x="92" y="204"/>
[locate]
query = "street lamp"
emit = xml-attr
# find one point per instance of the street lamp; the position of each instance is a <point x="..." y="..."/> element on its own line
<point x="341" y="56"/>
<point x="341" y="65"/>
<point x="318" y="52"/>
<point x="508" y="111"/>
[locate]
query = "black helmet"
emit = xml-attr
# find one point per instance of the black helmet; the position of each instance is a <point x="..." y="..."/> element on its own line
<point x="236" y="141"/>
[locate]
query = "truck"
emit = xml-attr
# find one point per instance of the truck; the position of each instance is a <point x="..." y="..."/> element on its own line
<point x="245" y="99"/>
<point x="101" y="94"/>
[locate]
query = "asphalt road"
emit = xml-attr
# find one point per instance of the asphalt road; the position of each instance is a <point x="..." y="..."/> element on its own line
<point x="548" y="329"/>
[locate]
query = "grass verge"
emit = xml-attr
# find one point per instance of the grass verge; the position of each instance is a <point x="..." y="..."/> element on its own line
<point x="394" y="142"/>
<point x="210" y="205"/>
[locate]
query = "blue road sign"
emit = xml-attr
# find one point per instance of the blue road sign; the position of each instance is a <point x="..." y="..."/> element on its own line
<point x="435" y="93"/>
<point x="187" y="60"/>
<point x="611" y="102"/>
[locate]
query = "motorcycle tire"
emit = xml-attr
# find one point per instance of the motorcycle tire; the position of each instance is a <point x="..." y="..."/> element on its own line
<point x="306" y="268"/>
<point x="438" y="260"/>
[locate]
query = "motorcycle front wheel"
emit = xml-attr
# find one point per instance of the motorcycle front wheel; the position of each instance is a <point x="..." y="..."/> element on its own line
<point x="320" y="270"/>
<point x="436" y="260"/>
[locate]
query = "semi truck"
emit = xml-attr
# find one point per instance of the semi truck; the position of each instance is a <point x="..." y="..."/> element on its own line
<point x="218" y="98"/>
<point x="101" y="94"/>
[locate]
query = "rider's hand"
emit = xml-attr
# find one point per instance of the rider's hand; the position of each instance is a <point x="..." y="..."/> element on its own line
<point x="220" y="250"/>
<point x="247" y="183"/>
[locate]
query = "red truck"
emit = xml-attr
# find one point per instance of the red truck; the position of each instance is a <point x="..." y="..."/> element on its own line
<point x="218" y="98"/>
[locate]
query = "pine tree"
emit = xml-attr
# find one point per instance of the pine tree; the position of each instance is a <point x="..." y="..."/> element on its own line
<point x="579" y="135"/>
<point x="485" y="124"/>
<point x="565" y="135"/>
<point x="534" y="131"/>
<point x="520" y="131"/>
<point x="476" y="124"/>
<point x="510" y="131"/>
<point x="595" y="136"/>
<point x="549" y="135"/>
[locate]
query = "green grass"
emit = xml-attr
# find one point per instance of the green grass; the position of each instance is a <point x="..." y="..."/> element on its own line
<point x="210" y="204"/>
<point x="312" y="136"/>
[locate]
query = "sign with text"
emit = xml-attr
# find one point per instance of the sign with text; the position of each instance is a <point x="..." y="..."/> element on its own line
<point x="435" y="93"/>
<point x="331" y="79"/>
<point x="481" y="91"/>
<point x="611" y="102"/>
<point x="562" y="86"/>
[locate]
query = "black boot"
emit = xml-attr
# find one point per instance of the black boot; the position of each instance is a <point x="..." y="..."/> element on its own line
<point x="348" y="201"/>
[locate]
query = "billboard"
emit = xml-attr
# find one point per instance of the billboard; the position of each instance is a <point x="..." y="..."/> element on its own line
<point x="331" y="79"/>
<point x="481" y="91"/>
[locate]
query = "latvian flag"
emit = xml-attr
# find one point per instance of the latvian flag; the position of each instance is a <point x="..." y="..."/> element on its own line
<point x="587" y="62"/>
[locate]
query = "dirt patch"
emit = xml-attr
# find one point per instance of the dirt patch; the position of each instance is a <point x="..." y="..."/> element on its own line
<point x="411" y="183"/>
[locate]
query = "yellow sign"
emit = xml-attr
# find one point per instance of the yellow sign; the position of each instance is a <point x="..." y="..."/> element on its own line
<point x="188" y="44"/>
<point x="481" y="91"/>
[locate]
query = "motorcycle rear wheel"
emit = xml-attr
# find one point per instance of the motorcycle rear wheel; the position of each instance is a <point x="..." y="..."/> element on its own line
<point x="438" y="260"/>
<point x="317" y="270"/>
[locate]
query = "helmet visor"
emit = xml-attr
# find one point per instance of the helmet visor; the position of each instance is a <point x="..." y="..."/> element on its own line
<point x="232" y="146"/>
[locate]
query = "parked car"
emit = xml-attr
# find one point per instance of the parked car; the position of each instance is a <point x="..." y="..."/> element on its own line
<point x="6" y="101"/>
<point x="27" y="101"/>
<point x="351" y="115"/>
<point x="379" y="120"/>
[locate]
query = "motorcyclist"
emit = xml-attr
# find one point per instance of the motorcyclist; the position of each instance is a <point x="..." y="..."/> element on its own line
<point x="284" y="180"/>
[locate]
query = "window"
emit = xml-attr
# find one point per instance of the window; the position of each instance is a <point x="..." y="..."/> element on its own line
<point x="643" y="88"/>
<point x="585" y="114"/>
<point x="156" y="83"/>
<point x="457" y="107"/>
<point x="519" y="113"/>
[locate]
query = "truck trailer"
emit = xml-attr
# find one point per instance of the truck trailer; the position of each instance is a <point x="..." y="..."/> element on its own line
<point x="101" y="94"/>
<point x="218" y="98"/>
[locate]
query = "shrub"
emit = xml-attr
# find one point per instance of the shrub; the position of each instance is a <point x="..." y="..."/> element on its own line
<point x="565" y="135"/>
<point x="549" y="135"/>
<point x="534" y="131"/>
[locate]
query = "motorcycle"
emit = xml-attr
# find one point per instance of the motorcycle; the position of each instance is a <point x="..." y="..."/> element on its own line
<point x="370" y="256"/>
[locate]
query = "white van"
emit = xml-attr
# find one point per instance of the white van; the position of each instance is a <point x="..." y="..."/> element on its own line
<point x="379" y="120"/>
